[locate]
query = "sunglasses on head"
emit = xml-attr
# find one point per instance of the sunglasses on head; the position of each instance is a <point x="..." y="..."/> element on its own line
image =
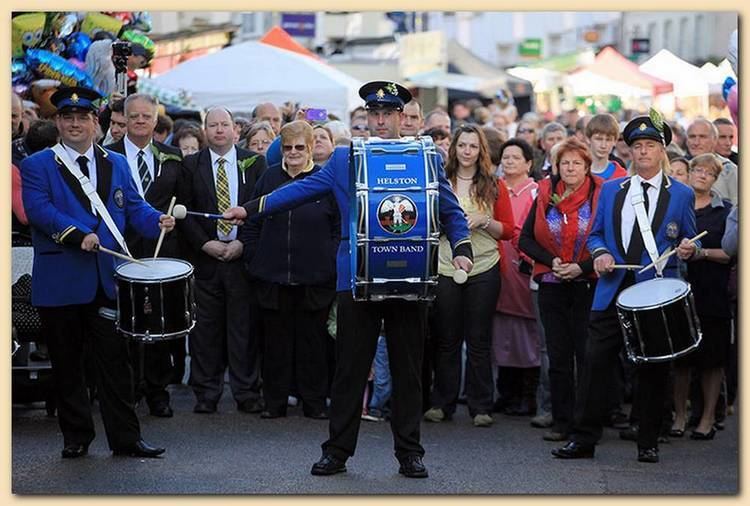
<point x="296" y="147"/>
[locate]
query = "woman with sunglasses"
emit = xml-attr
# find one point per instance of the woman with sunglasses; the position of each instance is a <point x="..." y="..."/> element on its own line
<point x="292" y="256"/>
<point x="464" y="311"/>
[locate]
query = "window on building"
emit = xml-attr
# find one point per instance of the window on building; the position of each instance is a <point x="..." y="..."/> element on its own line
<point x="667" y="44"/>
<point x="699" y="39"/>
<point x="682" y="48"/>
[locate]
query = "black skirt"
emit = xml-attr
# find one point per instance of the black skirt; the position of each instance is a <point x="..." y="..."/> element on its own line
<point x="713" y="351"/>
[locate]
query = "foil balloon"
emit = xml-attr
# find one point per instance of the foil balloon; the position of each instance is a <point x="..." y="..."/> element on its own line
<point x="141" y="21"/>
<point x="56" y="67"/>
<point x="140" y="39"/>
<point x="124" y="16"/>
<point x="62" y="23"/>
<point x="54" y="45"/>
<point x="27" y="30"/>
<point x="20" y="72"/>
<point x="78" y="63"/>
<point x="95" y="22"/>
<point x="734" y="104"/>
<point x="41" y="91"/>
<point x="78" y="45"/>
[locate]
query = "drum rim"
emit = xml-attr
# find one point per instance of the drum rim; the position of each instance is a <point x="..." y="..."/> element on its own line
<point x="155" y="337"/>
<point x="654" y="306"/>
<point x="177" y="277"/>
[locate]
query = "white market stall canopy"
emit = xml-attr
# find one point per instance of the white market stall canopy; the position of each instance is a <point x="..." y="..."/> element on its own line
<point x="688" y="80"/>
<point x="242" y="76"/>
<point x="716" y="75"/>
<point x="586" y="83"/>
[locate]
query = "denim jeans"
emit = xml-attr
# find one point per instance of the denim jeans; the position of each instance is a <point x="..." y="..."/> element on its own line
<point x="382" y="383"/>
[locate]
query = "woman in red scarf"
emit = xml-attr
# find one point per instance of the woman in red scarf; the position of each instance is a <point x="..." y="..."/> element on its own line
<point x="554" y="235"/>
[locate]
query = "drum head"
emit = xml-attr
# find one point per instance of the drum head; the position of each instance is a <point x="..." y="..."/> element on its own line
<point x="652" y="293"/>
<point x="158" y="269"/>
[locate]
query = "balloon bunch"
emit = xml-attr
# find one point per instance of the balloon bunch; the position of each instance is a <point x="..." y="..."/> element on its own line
<point x="55" y="46"/>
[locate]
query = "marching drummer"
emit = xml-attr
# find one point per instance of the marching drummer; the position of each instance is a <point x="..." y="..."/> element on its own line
<point x="621" y="235"/>
<point x="358" y="321"/>
<point x="72" y="282"/>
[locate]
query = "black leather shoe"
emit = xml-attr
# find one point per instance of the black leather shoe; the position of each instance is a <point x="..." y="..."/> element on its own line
<point x="250" y="406"/>
<point x="75" y="450"/>
<point x="317" y="415"/>
<point x="327" y="465"/>
<point x="574" y="450"/>
<point x="650" y="455"/>
<point x="204" y="407"/>
<point x="139" y="449"/>
<point x="272" y="414"/>
<point x="703" y="436"/>
<point x="162" y="410"/>
<point x="412" y="467"/>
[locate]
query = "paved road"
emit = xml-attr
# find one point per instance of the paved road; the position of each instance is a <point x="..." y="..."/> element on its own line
<point x="237" y="453"/>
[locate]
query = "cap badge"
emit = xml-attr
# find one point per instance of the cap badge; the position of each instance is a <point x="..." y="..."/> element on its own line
<point x="380" y="93"/>
<point x="74" y="98"/>
<point x="642" y="127"/>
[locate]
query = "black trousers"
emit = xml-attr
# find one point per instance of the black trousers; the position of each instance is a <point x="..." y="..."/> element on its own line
<point x="221" y="337"/>
<point x="152" y="379"/>
<point x="564" y="310"/>
<point x="69" y="330"/>
<point x="603" y="347"/>
<point x="464" y="312"/>
<point x="358" y="326"/>
<point x="295" y="347"/>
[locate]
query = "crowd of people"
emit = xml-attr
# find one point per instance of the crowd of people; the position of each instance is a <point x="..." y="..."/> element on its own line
<point x="533" y="332"/>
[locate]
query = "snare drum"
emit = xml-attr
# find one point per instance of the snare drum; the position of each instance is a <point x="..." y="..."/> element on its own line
<point x="658" y="320"/>
<point x="394" y="232"/>
<point x="155" y="301"/>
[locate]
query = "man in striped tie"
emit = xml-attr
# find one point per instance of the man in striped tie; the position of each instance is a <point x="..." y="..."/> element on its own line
<point x="158" y="175"/>
<point x="220" y="176"/>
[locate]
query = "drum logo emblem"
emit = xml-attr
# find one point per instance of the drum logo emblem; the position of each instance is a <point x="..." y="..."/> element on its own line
<point x="119" y="198"/>
<point x="672" y="230"/>
<point x="397" y="214"/>
<point x="147" y="309"/>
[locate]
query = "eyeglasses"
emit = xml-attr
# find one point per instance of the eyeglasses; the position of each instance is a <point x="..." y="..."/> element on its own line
<point x="702" y="172"/>
<point x="260" y="143"/>
<point x="296" y="147"/>
<point x="361" y="128"/>
<point x="525" y="131"/>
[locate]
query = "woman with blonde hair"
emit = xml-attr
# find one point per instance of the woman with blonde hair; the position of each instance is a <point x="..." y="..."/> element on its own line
<point x="292" y="256"/>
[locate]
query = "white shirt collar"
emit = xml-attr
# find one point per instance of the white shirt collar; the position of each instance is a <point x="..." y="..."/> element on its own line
<point x="655" y="181"/>
<point x="73" y="154"/>
<point x="230" y="157"/>
<point x="132" y="150"/>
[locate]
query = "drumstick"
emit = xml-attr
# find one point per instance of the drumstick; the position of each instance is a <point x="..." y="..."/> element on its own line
<point x="181" y="212"/>
<point x="163" y="231"/>
<point x="670" y="253"/>
<point x="627" y="266"/>
<point x="460" y="276"/>
<point x="101" y="248"/>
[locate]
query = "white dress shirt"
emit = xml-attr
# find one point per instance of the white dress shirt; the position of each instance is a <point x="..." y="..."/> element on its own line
<point x="628" y="212"/>
<point x="89" y="154"/>
<point x="131" y="153"/>
<point x="230" y="167"/>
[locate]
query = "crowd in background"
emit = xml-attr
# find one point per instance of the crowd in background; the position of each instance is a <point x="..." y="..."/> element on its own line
<point x="510" y="341"/>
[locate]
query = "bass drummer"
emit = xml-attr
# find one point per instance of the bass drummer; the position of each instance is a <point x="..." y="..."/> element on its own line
<point x="359" y="321"/>
<point x="616" y="238"/>
<point x="72" y="282"/>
